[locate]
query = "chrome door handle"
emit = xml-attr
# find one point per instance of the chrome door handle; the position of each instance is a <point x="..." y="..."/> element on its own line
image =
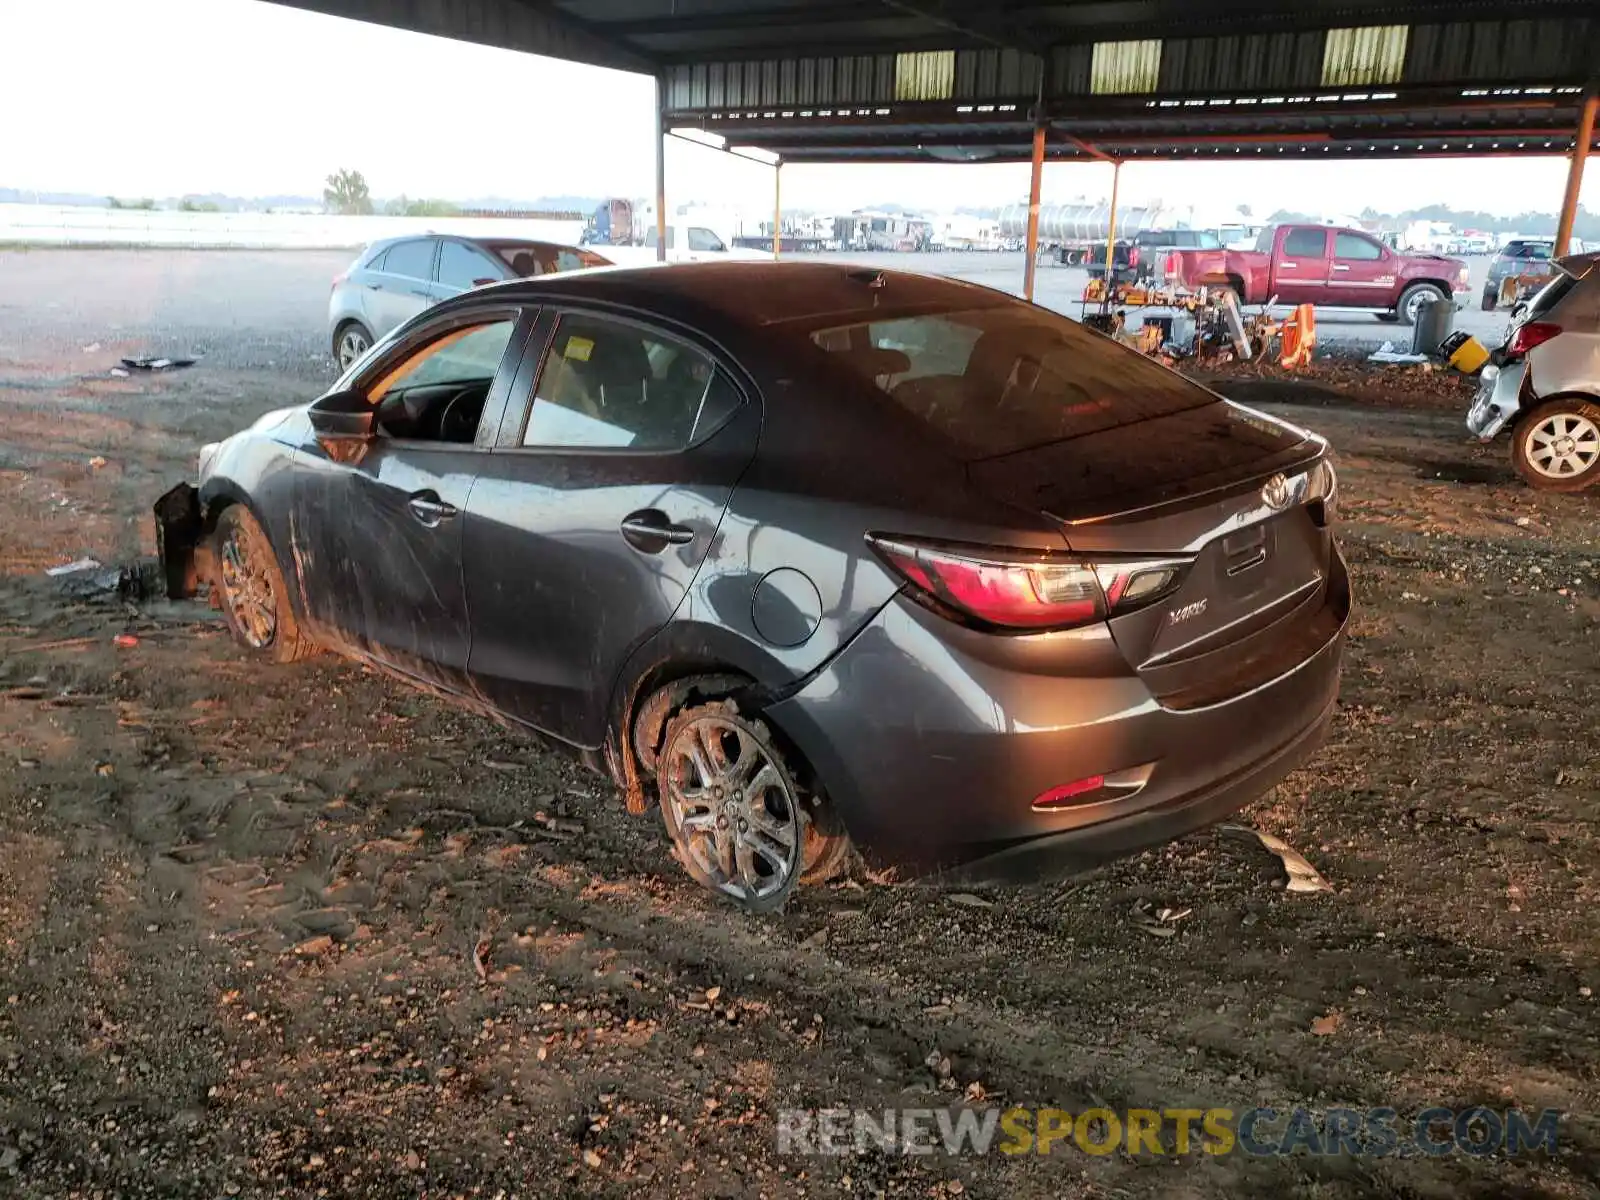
<point x="1340" y="267"/>
<point x="652" y="531"/>
<point x="430" y="510"/>
<point x="1288" y="264"/>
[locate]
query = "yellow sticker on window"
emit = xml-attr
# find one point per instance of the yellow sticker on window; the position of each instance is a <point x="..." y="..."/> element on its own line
<point x="579" y="348"/>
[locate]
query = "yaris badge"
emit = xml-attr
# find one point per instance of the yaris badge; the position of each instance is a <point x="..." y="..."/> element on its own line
<point x="1275" y="492"/>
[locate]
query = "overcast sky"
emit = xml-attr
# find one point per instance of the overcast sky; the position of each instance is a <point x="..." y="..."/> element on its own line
<point x="162" y="97"/>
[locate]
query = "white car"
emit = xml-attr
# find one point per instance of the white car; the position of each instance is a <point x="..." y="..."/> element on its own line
<point x="692" y="243"/>
<point x="1544" y="383"/>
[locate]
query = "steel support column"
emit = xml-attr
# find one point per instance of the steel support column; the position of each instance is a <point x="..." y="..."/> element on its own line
<point x="1034" y="184"/>
<point x="1111" y="224"/>
<point x="1580" y="152"/>
<point x="661" y="168"/>
<point x="777" y="209"/>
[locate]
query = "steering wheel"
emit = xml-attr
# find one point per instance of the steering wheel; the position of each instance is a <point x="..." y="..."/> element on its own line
<point x="459" y="420"/>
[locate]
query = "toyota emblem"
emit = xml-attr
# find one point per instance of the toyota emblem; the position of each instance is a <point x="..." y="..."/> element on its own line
<point x="1275" y="492"/>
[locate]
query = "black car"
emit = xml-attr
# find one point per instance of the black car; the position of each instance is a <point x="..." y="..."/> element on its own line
<point x="823" y="557"/>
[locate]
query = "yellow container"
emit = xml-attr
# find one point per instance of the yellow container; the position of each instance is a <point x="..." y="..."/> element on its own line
<point x="1469" y="356"/>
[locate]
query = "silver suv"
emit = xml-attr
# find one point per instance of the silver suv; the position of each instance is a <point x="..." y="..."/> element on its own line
<point x="393" y="280"/>
<point x="1544" y="383"/>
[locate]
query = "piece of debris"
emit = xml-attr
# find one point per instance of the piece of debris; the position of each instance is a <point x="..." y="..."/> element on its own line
<point x="480" y="957"/>
<point x="314" y="946"/>
<point x="91" y="347"/>
<point x="712" y="993"/>
<point x="1303" y="876"/>
<point x="80" y="564"/>
<point x="126" y="640"/>
<point x="591" y="1159"/>
<point x="119" y="372"/>
<point x="97" y="462"/>
<point x="148" y="363"/>
<point x="1328" y="1025"/>
<point x="1158" y="922"/>
<point x="1388" y="354"/>
<point x="968" y="900"/>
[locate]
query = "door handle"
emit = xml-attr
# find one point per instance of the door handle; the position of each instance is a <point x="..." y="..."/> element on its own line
<point x="1340" y="267"/>
<point x="415" y="292"/>
<point x="651" y="531"/>
<point x="429" y="509"/>
<point x="1288" y="264"/>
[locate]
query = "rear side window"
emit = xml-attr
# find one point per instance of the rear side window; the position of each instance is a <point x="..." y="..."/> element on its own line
<point x="998" y="380"/>
<point x="1349" y="245"/>
<point x="1306" y="243"/>
<point x="611" y="385"/>
<point x="460" y="266"/>
<point x="414" y="259"/>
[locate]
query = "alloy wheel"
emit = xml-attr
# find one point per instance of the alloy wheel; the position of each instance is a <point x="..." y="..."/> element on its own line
<point x="732" y="808"/>
<point x="247" y="587"/>
<point x="1562" y="445"/>
<point x="353" y="344"/>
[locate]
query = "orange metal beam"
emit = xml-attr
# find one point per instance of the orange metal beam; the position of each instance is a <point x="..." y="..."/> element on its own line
<point x="1580" y="152"/>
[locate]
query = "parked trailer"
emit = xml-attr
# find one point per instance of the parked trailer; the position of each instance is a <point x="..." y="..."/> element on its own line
<point x="1073" y="230"/>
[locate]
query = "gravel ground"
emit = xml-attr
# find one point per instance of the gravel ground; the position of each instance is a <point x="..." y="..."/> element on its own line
<point x="267" y="310"/>
<point x="300" y="931"/>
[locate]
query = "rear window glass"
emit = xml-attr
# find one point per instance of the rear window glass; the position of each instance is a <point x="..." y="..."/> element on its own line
<point x="1550" y="294"/>
<point x="998" y="380"/>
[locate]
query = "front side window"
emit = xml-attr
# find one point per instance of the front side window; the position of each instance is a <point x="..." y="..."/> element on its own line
<point x="412" y="259"/>
<point x="1306" y="243"/>
<point x="439" y="392"/>
<point x="461" y="266"/>
<point x="1002" y="379"/>
<point x="705" y="241"/>
<point x="1349" y="245"/>
<point x="611" y="385"/>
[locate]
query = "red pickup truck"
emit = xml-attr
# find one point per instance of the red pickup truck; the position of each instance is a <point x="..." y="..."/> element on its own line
<point x="1316" y="264"/>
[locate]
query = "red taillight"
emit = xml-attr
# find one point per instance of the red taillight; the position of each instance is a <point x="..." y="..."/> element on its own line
<point x="1023" y="590"/>
<point x="1133" y="256"/>
<point x="1534" y="333"/>
<point x="1172" y="268"/>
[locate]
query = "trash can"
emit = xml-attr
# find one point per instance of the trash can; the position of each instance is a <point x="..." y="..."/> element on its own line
<point x="1434" y="320"/>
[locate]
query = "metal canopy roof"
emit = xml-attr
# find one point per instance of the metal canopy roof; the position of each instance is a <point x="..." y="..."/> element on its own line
<point x="951" y="81"/>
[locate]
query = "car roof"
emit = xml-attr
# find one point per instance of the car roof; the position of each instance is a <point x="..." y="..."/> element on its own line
<point x="751" y="293"/>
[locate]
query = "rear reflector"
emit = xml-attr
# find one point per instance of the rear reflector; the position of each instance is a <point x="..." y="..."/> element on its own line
<point x="1056" y="797"/>
<point x="1026" y="590"/>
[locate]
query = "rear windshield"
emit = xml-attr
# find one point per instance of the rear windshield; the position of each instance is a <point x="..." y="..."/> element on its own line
<point x="1002" y="379"/>
<point x="1550" y="294"/>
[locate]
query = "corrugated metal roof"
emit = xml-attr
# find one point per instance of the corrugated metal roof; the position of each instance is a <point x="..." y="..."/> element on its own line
<point x="1351" y="73"/>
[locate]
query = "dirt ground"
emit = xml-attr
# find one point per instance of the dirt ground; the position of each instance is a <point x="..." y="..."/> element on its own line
<point x="285" y="931"/>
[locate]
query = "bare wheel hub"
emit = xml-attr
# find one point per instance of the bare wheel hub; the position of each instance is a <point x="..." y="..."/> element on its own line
<point x="733" y="808"/>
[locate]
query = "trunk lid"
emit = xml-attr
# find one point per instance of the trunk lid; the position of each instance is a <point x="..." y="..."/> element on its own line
<point x="1234" y="491"/>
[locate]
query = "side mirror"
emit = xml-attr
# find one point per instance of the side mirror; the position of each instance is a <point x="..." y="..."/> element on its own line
<point x="344" y="424"/>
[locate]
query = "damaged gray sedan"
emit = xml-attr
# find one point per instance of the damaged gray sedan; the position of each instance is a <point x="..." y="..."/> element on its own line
<point x="824" y="560"/>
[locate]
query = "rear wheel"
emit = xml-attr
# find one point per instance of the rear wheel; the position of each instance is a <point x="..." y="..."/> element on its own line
<point x="1411" y="301"/>
<point x="350" y="341"/>
<point x="251" y="588"/>
<point x="740" y="821"/>
<point x="1491" y="299"/>
<point x="1556" y="447"/>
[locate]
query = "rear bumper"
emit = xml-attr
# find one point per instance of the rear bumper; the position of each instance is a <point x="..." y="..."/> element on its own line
<point x="934" y="745"/>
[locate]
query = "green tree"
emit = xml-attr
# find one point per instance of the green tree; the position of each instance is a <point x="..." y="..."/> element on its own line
<point x="347" y="193"/>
